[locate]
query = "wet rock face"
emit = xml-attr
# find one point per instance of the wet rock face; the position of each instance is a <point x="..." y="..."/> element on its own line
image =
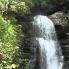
<point x="60" y="24"/>
<point x="61" y="21"/>
<point x="56" y="18"/>
<point x="62" y="31"/>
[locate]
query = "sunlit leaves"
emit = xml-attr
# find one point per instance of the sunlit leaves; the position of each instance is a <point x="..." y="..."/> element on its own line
<point x="8" y="41"/>
<point x="19" y="7"/>
<point x="3" y="6"/>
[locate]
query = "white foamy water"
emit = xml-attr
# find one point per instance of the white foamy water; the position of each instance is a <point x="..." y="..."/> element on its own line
<point x="50" y="51"/>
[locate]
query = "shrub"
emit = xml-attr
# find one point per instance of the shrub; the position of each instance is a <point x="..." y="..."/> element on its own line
<point x="8" y="43"/>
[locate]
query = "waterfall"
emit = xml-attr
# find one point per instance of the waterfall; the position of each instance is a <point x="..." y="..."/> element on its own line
<point x="50" y="51"/>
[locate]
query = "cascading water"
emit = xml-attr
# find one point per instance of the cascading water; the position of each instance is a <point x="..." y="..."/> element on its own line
<point x="50" y="51"/>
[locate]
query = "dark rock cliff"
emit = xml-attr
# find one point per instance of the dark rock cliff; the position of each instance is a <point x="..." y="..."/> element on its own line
<point x="62" y="29"/>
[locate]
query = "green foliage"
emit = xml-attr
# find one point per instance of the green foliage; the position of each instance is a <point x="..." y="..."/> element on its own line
<point x="16" y="6"/>
<point x="8" y="42"/>
<point x="22" y="7"/>
<point x="19" y="7"/>
<point x="3" y="6"/>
